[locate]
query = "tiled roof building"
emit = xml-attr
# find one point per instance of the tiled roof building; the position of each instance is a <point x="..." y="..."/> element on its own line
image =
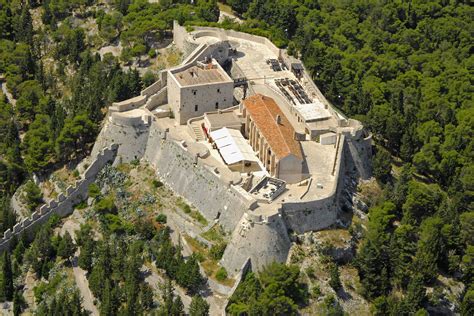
<point x="273" y="138"/>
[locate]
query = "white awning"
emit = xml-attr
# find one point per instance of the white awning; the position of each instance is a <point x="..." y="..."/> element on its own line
<point x="232" y="146"/>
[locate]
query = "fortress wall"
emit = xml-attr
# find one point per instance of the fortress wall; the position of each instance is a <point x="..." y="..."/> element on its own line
<point x="318" y="214"/>
<point x="119" y="119"/>
<point x="180" y="39"/>
<point x="224" y="34"/>
<point x="64" y="204"/>
<point x="156" y="86"/>
<point x="130" y="139"/>
<point x="129" y="104"/>
<point x="263" y="240"/>
<point x="200" y="186"/>
<point x="160" y="98"/>
<point x="358" y="156"/>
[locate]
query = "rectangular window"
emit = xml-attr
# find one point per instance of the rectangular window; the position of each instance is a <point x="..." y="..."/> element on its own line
<point x="196" y="108"/>
<point x="194" y="92"/>
<point x="217" y="105"/>
<point x="218" y="90"/>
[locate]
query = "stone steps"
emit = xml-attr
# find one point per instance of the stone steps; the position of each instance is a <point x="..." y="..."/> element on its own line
<point x="199" y="135"/>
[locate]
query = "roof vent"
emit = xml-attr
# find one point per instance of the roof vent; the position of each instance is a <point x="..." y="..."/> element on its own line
<point x="278" y="119"/>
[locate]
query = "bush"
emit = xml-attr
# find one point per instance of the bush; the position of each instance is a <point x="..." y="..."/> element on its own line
<point x="106" y="206"/>
<point x="152" y="53"/>
<point x="81" y="205"/>
<point x="217" y="251"/>
<point x="33" y="195"/>
<point x="75" y="173"/>
<point x="156" y="183"/>
<point x="221" y="274"/>
<point x="93" y="190"/>
<point x="161" y="218"/>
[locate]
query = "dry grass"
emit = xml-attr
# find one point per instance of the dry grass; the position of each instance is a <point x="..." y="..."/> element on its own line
<point x="336" y="237"/>
<point x="209" y="265"/>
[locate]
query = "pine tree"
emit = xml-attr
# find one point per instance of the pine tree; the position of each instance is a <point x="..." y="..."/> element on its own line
<point x="198" y="307"/>
<point x="335" y="281"/>
<point x="85" y="256"/>
<point x="7" y="277"/>
<point x="18" y="303"/>
<point x="66" y="247"/>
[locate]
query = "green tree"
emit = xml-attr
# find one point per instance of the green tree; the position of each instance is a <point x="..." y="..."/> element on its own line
<point x="334" y="280"/>
<point x="38" y="144"/>
<point x="6" y="288"/>
<point x="198" y="306"/>
<point x="382" y="165"/>
<point x="33" y="195"/>
<point x="66" y="247"/>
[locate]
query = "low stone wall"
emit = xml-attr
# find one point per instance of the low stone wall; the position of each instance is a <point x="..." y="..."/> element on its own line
<point x="64" y="204"/>
<point x="156" y="86"/>
<point x="129" y="104"/>
<point x="225" y="34"/>
<point x="160" y="98"/>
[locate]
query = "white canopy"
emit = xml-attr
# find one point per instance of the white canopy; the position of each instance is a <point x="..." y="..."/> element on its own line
<point x="232" y="146"/>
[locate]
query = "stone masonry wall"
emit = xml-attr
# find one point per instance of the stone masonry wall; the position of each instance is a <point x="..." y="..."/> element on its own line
<point x="64" y="204"/>
<point x="190" y="178"/>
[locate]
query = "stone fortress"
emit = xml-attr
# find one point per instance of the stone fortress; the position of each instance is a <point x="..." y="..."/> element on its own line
<point x="242" y="133"/>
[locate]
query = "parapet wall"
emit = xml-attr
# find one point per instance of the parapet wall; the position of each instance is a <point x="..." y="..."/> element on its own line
<point x="64" y="204"/>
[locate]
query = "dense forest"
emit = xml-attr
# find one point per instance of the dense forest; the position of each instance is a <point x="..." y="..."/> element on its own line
<point x="404" y="68"/>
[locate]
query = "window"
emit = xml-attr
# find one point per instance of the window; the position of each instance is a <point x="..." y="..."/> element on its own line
<point x="196" y="108"/>
<point x="194" y="92"/>
<point x="217" y="105"/>
<point x="218" y="90"/>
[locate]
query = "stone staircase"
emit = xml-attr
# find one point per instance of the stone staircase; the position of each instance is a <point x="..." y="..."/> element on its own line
<point x="197" y="130"/>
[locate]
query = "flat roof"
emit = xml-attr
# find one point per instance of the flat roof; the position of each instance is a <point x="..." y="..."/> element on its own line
<point x="232" y="146"/>
<point x="218" y="120"/>
<point x="313" y="111"/>
<point x="195" y="75"/>
<point x="280" y="136"/>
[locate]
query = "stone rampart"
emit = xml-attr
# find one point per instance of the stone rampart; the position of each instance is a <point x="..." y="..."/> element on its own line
<point x="189" y="177"/>
<point x="64" y="204"/>
<point x="156" y="86"/>
<point x="160" y="98"/>
<point x="129" y="104"/>
<point x="262" y="239"/>
<point x="303" y="216"/>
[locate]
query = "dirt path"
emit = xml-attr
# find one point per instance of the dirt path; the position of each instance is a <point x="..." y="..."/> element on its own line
<point x="83" y="284"/>
<point x="7" y="93"/>
<point x="71" y="225"/>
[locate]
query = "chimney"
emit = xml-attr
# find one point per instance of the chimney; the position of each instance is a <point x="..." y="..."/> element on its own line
<point x="278" y="119"/>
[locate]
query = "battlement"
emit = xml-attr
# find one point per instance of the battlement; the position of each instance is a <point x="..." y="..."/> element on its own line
<point x="64" y="203"/>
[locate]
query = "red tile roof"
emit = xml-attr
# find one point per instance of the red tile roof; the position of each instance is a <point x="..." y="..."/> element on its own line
<point x="280" y="137"/>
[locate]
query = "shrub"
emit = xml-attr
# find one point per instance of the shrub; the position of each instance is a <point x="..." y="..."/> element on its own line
<point x="81" y="205"/>
<point x="161" y="218"/>
<point x="93" y="190"/>
<point x="217" y="251"/>
<point x="221" y="274"/>
<point x="106" y="206"/>
<point x="75" y="173"/>
<point x="152" y="53"/>
<point x="156" y="183"/>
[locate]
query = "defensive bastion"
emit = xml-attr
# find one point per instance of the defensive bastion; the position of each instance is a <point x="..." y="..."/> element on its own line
<point x="258" y="231"/>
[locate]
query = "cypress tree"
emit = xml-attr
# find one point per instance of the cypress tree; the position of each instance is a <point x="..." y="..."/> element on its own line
<point x="7" y="277"/>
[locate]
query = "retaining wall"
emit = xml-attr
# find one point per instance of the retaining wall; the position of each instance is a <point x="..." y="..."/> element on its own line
<point x="192" y="179"/>
<point x="64" y="204"/>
